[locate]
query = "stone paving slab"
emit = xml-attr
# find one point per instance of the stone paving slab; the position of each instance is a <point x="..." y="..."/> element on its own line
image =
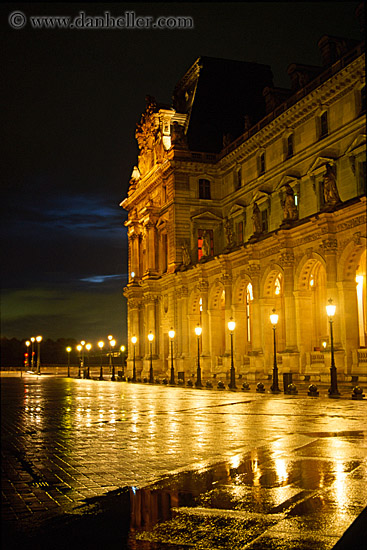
<point x="66" y="440"/>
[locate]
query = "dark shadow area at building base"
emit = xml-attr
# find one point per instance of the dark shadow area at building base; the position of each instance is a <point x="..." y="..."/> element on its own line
<point x="102" y="522"/>
<point x="355" y="537"/>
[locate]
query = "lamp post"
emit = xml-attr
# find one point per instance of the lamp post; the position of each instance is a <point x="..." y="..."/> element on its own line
<point x="39" y="340"/>
<point x="28" y="343"/>
<point x="112" y="345"/>
<point x="133" y="341"/>
<point x="231" y="327"/>
<point x="122" y="351"/>
<point x="79" y="348"/>
<point x="88" y="347"/>
<point x="333" y="390"/>
<point x="68" y="349"/>
<point x="110" y="338"/>
<point x="32" y="352"/>
<point x="172" y="334"/>
<point x="100" y="345"/>
<point x="151" y="338"/>
<point x="82" y="343"/>
<point x="275" y="385"/>
<point x="198" y="331"/>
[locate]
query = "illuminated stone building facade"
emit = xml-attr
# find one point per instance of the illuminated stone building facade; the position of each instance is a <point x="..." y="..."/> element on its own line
<point x="248" y="198"/>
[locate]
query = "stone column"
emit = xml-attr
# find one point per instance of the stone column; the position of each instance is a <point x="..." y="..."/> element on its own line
<point x="205" y="335"/>
<point x="349" y="320"/>
<point x="287" y="262"/>
<point x="151" y="247"/>
<point x="227" y="281"/>
<point x="254" y="271"/>
<point x="330" y="247"/>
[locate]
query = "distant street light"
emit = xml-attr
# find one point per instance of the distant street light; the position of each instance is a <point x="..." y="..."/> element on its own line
<point x="39" y="340"/>
<point x="198" y="331"/>
<point x="88" y="347"/>
<point x="110" y="338"/>
<point x="134" y="340"/>
<point x="82" y="343"/>
<point x="27" y="343"/>
<point x="231" y="327"/>
<point x="32" y="352"/>
<point x="68" y="349"/>
<point x="112" y="345"/>
<point x="100" y="345"/>
<point x="172" y="334"/>
<point x="275" y="385"/>
<point x="151" y="338"/>
<point x="333" y="390"/>
<point x="79" y="347"/>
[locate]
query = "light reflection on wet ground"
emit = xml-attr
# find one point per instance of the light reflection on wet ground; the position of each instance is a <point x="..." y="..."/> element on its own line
<point x="252" y="471"/>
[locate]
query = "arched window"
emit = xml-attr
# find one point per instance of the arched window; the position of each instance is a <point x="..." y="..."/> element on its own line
<point x="361" y="301"/>
<point x="249" y="298"/>
<point x="278" y="285"/>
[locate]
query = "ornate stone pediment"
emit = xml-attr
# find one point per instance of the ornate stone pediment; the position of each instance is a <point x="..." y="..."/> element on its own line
<point x="319" y="165"/>
<point x="206" y="216"/>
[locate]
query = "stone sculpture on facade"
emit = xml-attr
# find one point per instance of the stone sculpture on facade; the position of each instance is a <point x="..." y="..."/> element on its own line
<point x="205" y="247"/>
<point x="290" y="212"/>
<point x="229" y="233"/>
<point x="186" y="260"/>
<point x="256" y="219"/>
<point x="331" y="195"/>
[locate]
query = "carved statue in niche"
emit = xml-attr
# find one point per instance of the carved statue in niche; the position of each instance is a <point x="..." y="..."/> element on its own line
<point x="229" y="232"/>
<point x="186" y="260"/>
<point x="289" y="206"/>
<point x="256" y="219"/>
<point x="205" y="247"/>
<point x="331" y="195"/>
<point x="178" y="136"/>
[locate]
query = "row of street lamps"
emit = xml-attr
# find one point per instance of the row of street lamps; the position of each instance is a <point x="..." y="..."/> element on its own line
<point x="274" y="317"/>
<point x="80" y="348"/>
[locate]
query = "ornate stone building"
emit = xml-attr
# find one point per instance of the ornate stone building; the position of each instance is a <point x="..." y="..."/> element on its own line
<point x="248" y="198"/>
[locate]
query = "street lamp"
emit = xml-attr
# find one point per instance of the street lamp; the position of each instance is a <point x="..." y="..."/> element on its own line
<point x="133" y="341"/>
<point x="333" y="390"/>
<point x="68" y="349"/>
<point x="79" y="347"/>
<point x="100" y="345"/>
<point x="32" y="352"/>
<point x="110" y="338"/>
<point x="39" y="340"/>
<point x="88" y="347"/>
<point x="231" y="327"/>
<point x="275" y="385"/>
<point x="198" y="331"/>
<point x="112" y="345"/>
<point x="151" y="338"/>
<point x="122" y="351"/>
<point x="172" y="334"/>
<point x="27" y="344"/>
<point x="82" y="343"/>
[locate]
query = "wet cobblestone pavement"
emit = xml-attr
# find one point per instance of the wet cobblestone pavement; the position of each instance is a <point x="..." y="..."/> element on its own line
<point x="88" y="463"/>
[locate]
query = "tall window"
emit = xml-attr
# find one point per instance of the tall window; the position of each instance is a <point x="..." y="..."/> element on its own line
<point x="239" y="178"/>
<point x="290" y="146"/>
<point x="240" y="232"/>
<point x="164" y="260"/>
<point x="264" y="220"/>
<point x="262" y="163"/>
<point x="204" y="189"/>
<point x="324" y="126"/>
<point x="210" y="239"/>
<point x="249" y="298"/>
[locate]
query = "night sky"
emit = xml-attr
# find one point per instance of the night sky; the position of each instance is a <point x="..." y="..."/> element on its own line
<point x="72" y="99"/>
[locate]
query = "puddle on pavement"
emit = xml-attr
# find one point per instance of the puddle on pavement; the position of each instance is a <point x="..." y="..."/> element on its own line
<point x="248" y="499"/>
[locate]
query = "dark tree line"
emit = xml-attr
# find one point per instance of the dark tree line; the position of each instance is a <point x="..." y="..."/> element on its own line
<point x="52" y="352"/>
